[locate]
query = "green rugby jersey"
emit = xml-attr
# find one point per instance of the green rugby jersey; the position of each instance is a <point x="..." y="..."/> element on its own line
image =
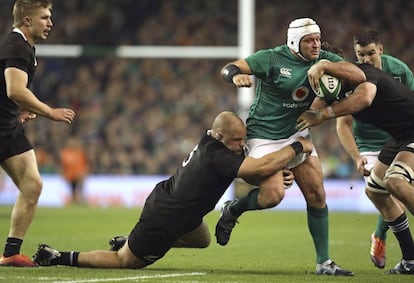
<point x="283" y="92"/>
<point x="368" y="137"/>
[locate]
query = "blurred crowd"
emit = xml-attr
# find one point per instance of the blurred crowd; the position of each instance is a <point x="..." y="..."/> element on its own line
<point x="142" y="116"/>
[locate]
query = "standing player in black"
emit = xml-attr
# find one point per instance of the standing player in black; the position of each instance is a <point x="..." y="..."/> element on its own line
<point x="173" y="212"/>
<point x="32" y="22"/>
<point x="386" y="103"/>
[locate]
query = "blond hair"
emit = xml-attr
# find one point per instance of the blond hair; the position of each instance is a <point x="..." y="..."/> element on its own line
<point x="23" y="8"/>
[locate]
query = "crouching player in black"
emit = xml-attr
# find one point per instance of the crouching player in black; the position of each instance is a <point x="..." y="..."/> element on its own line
<point x="173" y="212"/>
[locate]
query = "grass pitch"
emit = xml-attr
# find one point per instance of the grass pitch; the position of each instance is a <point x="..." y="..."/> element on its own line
<point x="266" y="246"/>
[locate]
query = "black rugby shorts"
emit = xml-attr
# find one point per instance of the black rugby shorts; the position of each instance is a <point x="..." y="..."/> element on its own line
<point x="13" y="143"/>
<point x="392" y="147"/>
<point x="153" y="236"/>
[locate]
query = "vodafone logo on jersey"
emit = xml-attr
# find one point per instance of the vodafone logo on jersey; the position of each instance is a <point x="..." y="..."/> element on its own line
<point x="300" y="94"/>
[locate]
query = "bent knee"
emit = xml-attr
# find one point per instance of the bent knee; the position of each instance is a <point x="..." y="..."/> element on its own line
<point x="270" y="199"/>
<point x="35" y="192"/>
<point x="31" y="188"/>
<point x="398" y="175"/>
<point x="204" y="243"/>
<point x="30" y="195"/>
<point x="370" y="194"/>
<point x="37" y="187"/>
<point x="315" y="196"/>
<point x="126" y="259"/>
<point x="393" y="185"/>
<point x="200" y="242"/>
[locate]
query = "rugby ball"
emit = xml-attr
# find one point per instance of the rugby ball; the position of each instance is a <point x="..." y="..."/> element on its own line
<point x="329" y="87"/>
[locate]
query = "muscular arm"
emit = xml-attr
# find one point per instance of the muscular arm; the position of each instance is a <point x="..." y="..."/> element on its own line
<point x="16" y="88"/>
<point x="343" y="70"/>
<point x="16" y="81"/>
<point x="346" y="136"/>
<point x="360" y="99"/>
<point x="271" y="163"/>
<point x="242" y="79"/>
<point x="242" y="64"/>
<point x="259" y="168"/>
<point x="318" y="103"/>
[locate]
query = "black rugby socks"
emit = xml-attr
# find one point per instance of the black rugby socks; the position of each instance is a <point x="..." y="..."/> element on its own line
<point x="12" y="246"/>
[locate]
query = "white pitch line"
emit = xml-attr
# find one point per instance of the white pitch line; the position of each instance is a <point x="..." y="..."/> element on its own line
<point x="135" y="278"/>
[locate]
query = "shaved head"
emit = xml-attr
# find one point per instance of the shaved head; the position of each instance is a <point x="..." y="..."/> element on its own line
<point x="230" y="130"/>
<point x="226" y="121"/>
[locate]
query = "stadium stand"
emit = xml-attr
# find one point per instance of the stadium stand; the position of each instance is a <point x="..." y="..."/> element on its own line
<point x="142" y="116"/>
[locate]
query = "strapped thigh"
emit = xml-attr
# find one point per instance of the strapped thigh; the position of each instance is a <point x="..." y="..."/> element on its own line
<point x="375" y="184"/>
<point x="401" y="171"/>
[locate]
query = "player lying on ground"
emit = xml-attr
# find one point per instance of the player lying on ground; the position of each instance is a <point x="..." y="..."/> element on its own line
<point x="173" y="212"/>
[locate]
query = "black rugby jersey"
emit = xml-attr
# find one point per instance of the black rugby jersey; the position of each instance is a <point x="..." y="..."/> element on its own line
<point x="393" y="106"/>
<point x="199" y="182"/>
<point x="15" y="51"/>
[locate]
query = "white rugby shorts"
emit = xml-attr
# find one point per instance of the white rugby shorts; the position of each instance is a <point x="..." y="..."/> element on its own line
<point x="259" y="147"/>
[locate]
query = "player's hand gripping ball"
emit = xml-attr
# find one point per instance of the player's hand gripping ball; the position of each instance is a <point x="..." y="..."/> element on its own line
<point x="329" y="87"/>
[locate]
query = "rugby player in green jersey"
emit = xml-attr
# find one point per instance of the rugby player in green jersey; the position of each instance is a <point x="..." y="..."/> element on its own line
<point x="362" y="141"/>
<point x="282" y="94"/>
